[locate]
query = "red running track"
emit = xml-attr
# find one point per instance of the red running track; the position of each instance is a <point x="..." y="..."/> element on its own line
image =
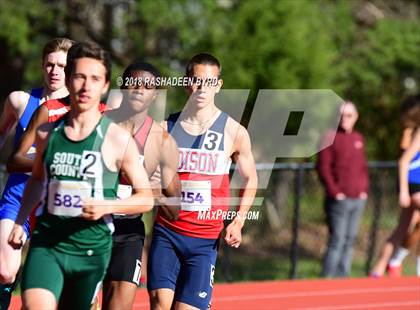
<point x="347" y="294"/>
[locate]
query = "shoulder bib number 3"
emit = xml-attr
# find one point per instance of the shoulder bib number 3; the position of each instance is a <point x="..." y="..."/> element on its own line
<point x="212" y="140"/>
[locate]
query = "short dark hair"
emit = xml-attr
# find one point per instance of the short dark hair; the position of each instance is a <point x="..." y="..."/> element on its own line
<point x="410" y="112"/>
<point x="139" y="66"/>
<point x="202" y="59"/>
<point x="89" y="50"/>
<point x="56" y="45"/>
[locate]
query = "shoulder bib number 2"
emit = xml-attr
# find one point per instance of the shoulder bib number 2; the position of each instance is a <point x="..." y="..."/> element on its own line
<point x="91" y="165"/>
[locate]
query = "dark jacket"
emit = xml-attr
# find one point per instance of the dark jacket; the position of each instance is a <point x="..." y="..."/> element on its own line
<point x="342" y="167"/>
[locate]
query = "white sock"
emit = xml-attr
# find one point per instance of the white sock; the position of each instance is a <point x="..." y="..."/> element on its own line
<point x="398" y="257"/>
<point x="418" y="266"/>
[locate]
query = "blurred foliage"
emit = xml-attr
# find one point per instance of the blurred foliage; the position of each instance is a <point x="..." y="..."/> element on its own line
<point x="363" y="50"/>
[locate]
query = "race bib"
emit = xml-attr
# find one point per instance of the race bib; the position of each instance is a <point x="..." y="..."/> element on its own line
<point x="30" y="154"/>
<point x="196" y="195"/>
<point x="124" y="191"/>
<point x="65" y="197"/>
<point x="90" y="165"/>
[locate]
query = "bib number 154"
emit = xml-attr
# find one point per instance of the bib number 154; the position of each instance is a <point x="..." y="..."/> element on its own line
<point x="191" y="197"/>
<point x="195" y="195"/>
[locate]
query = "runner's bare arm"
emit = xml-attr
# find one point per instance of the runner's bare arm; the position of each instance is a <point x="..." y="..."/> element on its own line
<point x="244" y="159"/>
<point x="10" y="114"/>
<point x="34" y="190"/>
<point x="171" y="186"/>
<point x="246" y="165"/>
<point x="406" y="138"/>
<point x="141" y="200"/>
<point x="142" y="197"/>
<point x="18" y="160"/>
<point x="403" y="163"/>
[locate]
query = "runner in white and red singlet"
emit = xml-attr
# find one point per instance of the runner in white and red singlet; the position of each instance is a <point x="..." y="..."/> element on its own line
<point x="183" y="252"/>
<point x="157" y="149"/>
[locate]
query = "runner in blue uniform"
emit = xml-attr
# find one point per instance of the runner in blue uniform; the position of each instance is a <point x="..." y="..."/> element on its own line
<point x="18" y="109"/>
<point x="409" y="173"/>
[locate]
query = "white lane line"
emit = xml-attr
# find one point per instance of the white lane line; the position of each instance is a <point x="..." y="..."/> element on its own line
<point x="366" y="306"/>
<point x="359" y="291"/>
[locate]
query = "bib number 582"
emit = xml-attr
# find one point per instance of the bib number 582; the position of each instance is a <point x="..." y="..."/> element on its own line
<point x="67" y="201"/>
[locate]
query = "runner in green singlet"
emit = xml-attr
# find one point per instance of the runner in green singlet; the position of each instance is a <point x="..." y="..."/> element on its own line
<point x="77" y="164"/>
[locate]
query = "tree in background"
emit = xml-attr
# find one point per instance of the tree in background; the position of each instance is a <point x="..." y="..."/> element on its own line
<point x="364" y="50"/>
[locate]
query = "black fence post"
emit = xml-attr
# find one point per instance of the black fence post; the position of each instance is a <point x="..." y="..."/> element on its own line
<point x="376" y="191"/>
<point x="225" y="261"/>
<point x="296" y="221"/>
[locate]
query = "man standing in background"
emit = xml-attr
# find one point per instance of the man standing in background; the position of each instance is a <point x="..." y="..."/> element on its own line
<point x="342" y="168"/>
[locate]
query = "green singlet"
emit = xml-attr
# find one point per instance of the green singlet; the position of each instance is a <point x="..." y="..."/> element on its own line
<point x="69" y="255"/>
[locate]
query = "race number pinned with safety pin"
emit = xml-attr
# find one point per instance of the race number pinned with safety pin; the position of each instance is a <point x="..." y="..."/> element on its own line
<point x="91" y="165"/>
<point x="212" y="140"/>
<point x="65" y="197"/>
<point x="124" y="191"/>
<point x="195" y="195"/>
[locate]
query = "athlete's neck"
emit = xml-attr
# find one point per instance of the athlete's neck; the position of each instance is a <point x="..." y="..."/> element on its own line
<point x="48" y="94"/>
<point x="135" y="122"/>
<point x="199" y="116"/>
<point x="82" y="123"/>
<point x="128" y="118"/>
